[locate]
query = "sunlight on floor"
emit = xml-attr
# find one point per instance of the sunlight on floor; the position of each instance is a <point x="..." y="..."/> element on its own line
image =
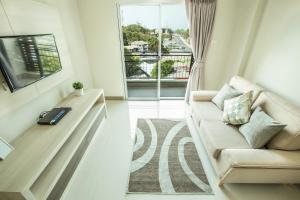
<point x="155" y="109"/>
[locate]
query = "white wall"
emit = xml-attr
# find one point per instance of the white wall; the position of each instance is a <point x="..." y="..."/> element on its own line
<point x="274" y="62"/>
<point x="74" y="36"/>
<point x="19" y="110"/>
<point x="247" y="18"/>
<point x="231" y="29"/>
<point x="100" y="27"/>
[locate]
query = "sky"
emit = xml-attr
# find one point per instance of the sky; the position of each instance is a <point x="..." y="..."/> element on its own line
<point x="172" y="16"/>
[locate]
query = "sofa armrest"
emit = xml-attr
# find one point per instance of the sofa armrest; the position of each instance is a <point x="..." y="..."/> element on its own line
<point x="258" y="158"/>
<point x="204" y="95"/>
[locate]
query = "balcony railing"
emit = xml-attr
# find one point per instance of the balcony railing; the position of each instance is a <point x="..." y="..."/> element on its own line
<point x="174" y="66"/>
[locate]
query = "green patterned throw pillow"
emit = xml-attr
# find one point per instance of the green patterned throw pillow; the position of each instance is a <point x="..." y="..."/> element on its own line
<point x="238" y="110"/>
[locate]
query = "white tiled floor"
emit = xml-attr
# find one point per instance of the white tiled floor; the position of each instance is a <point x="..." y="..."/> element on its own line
<point x="155" y="109"/>
<point x="103" y="172"/>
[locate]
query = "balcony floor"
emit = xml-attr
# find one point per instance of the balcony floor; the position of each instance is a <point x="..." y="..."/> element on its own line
<point x="148" y="89"/>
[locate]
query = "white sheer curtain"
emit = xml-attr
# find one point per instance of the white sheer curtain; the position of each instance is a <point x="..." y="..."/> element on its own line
<point x="201" y="15"/>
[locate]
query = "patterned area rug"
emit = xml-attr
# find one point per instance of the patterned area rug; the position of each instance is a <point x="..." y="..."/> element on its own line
<point x="165" y="160"/>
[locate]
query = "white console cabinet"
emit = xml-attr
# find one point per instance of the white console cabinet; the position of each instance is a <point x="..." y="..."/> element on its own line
<point x="45" y="157"/>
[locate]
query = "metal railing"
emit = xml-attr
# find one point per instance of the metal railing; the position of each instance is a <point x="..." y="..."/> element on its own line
<point x="174" y="66"/>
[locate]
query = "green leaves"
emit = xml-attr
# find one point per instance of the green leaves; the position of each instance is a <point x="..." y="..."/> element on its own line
<point x="136" y="32"/>
<point x="132" y="65"/>
<point x="166" y="68"/>
<point x="77" y="85"/>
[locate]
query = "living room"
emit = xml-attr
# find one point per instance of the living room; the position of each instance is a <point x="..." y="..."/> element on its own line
<point x="153" y="99"/>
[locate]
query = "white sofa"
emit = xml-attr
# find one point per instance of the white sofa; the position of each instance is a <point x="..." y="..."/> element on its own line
<point x="233" y="159"/>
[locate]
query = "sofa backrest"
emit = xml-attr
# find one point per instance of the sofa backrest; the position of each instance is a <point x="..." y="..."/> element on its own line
<point x="243" y="85"/>
<point x="284" y="112"/>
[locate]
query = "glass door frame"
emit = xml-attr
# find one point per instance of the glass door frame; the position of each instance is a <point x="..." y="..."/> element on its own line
<point x="159" y="52"/>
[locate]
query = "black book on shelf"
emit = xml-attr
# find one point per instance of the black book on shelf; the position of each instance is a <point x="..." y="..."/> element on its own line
<point x="53" y="116"/>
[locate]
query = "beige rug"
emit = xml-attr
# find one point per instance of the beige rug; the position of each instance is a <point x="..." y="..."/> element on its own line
<point x="165" y="160"/>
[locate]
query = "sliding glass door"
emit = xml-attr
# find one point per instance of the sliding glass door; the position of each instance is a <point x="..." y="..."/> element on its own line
<point x="156" y="53"/>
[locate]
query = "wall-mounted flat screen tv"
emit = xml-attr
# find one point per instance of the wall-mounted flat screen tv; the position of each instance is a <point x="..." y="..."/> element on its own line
<point x="26" y="59"/>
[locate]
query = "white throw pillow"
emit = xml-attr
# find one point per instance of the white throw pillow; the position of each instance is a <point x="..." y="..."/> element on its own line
<point x="238" y="110"/>
<point x="227" y="92"/>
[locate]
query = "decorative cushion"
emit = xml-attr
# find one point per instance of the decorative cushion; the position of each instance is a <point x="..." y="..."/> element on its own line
<point x="238" y="110"/>
<point x="227" y="92"/>
<point x="285" y="112"/>
<point x="260" y="128"/>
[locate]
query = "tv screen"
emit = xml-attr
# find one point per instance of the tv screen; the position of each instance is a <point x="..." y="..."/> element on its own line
<point x="28" y="58"/>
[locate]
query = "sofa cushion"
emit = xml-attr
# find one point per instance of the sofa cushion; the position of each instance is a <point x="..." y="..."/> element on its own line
<point x="285" y="113"/>
<point x="226" y="92"/>
<point x="205" y="110"/>
<point x="238" y="110"/>
<point x="218" y="136"/>
<point x="244" y="85"/>
<point x="260" y="129"/>
<point x="257" y="159"/>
